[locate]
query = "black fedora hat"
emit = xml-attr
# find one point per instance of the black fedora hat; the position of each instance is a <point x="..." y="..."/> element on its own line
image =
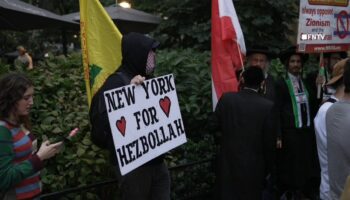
<point x="260" y="49"/>
<point x="287" y="53"/>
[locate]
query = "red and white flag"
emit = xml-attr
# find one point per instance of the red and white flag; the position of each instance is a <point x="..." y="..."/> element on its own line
<point x="227" y="48"/>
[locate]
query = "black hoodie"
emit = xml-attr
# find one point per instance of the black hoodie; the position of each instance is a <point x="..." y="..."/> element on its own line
<point x="135" y="49"/>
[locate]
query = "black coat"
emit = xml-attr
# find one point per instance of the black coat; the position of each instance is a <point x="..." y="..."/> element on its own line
<point x="284" y="102"/>
<point x="246" y="145"/>
<point x="297" y="160"/>
<point x="270" y="92"/>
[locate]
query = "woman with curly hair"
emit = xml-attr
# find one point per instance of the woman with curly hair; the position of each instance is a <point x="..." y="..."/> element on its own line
<point x="20" y="163"/>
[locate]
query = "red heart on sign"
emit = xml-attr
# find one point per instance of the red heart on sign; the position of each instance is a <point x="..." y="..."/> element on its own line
<point x="165" y="104"/>
<point x="121" y="125"/>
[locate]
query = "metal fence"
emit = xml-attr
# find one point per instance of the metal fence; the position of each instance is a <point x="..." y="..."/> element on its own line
<point x="77" y="190"/>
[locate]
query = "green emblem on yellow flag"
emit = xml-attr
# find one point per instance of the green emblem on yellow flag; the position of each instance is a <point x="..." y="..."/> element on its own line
<point x="94" y="71"/>
<point x="101" y="45"/>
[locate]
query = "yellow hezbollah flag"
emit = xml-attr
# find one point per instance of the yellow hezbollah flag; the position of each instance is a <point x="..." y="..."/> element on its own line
<point x="101" y="45"/>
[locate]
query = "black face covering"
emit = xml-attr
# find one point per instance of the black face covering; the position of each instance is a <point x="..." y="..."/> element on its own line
<point x="151" y="62"/>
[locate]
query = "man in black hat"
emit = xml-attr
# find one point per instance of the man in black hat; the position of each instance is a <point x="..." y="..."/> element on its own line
<point x="247" y="143"/>
<point x="261" y="56"/>
<point x="297" y="163"/>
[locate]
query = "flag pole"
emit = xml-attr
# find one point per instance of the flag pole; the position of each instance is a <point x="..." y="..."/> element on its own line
<point x="321" y="73"/>
<point x="240" y="55"/>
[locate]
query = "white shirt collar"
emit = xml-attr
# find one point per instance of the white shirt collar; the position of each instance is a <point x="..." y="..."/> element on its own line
<point x="293" y="77"/>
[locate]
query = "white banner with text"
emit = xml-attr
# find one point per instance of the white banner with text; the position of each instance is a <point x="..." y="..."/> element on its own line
<point x="323" y="26"/>
<point x="145" y="121"/>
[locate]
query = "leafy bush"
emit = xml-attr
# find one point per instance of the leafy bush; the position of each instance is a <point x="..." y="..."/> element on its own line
<point x="193" y="85"/>
<point x="60" y="105"/>
<point x="191" y="70"/>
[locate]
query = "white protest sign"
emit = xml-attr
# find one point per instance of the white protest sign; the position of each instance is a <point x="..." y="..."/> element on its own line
<point x="323" y="26"/>
<point x="145" y="121"/>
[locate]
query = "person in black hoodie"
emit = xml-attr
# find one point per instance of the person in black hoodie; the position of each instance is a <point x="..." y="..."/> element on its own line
<point x="151" y="180"/>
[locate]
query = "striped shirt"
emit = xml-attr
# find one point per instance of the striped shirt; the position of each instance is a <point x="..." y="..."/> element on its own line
<point x="19" y="168"/>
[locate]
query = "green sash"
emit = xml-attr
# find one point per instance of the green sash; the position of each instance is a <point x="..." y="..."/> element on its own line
<point x="296" y="111"/>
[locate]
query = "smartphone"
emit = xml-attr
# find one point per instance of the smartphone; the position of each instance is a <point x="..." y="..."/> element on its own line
<point x="61" y="138"/>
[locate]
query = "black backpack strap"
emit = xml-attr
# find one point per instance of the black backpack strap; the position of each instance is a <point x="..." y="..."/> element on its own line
<point x="331" y="100"/>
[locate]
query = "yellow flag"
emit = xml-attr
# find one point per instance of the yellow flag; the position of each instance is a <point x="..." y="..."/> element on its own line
<point x="101" y="45"/>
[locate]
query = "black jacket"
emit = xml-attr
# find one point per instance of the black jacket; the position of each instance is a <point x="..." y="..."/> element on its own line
<point x="246" y="146"/>
<point x="284" y="102"/>
<point x="135" y="49"/>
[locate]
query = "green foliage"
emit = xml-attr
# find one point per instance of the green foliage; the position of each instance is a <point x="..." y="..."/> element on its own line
<point x="193" y="86"/>
<point x="199" y="178"/>
<point x="10" y="40"/>
<point x="61" y="105"/>
<point x="267" y="22"/>
<point x="4" y="68"/>
<point x="277" y="69"/>
<point x="37" y="42"/>
<point x="185" y="24"/>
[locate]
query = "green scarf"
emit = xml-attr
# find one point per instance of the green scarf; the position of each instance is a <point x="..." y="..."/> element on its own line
<point x="296" y="105"/>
